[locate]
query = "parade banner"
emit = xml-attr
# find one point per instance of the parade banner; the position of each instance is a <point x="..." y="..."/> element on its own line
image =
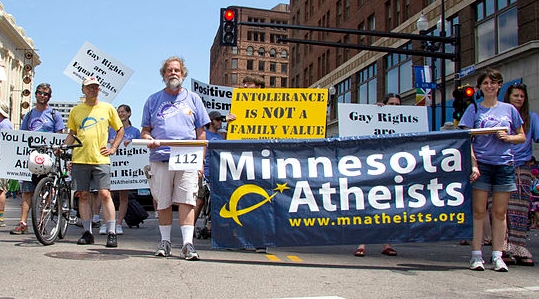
<point x="278" y="113"/>
<point x="127" y="165"/>
<point x="376" y="189"/>
<point x="14" y="151"/>
<point x="214" y="97"/>
<point x="362" y="119"/>
<point x="92" y="62"/>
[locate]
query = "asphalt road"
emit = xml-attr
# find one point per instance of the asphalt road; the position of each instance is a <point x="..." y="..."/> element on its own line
<point x="421" y="270"/>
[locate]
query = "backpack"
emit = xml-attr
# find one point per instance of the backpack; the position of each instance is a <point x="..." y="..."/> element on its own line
<point x="135" y="214"/>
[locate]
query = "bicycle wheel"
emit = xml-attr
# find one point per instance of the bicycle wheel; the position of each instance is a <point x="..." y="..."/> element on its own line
<point x="45" y="212"/>
<point x="65" y="208"/>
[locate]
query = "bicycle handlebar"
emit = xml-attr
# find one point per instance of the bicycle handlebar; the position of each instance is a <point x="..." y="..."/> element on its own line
<point x="55" y="147"/>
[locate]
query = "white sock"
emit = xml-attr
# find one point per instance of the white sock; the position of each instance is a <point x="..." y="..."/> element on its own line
<point x="96" y="218"/>
<point x="187" y="233"/>
<point x="165" y="232"/>
<point x="496" y="254"/>
<point x="111" y="226"/>
<point x="477" y="253"/>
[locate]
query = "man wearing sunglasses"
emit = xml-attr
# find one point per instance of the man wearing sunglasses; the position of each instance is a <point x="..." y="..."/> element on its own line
<point x="41" y="118"/>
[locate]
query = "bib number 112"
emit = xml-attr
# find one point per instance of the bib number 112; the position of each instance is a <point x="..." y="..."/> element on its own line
<point x="186" y="158"/>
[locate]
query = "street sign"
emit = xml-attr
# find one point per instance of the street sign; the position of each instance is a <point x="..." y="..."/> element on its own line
<point x="426" y="85"/>
<point x="467" y="70"/>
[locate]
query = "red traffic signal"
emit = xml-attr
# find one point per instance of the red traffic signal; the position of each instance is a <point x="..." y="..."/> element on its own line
<point x="228" y="28"/>
<point x="469" y="91"/>
<point x="229" y="14"/>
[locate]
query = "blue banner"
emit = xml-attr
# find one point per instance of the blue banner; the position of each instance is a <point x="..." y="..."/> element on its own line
<point x="374" y="189"/>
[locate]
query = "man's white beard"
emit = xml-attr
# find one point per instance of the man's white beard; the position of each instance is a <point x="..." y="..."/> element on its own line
<point x="174" y="83"/>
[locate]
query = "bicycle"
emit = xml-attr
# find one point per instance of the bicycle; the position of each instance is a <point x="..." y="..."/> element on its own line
<point x="52" y="201"/>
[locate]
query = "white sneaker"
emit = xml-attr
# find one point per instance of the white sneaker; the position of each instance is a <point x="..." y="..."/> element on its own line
<point x="476" y="264"/>
<point x="499" y="265"/>
<point x="119" y="229"/>
<point x="103" y="229"/>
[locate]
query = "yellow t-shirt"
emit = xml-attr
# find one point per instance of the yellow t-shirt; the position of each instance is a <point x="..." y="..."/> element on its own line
<point x="91" y="124"/>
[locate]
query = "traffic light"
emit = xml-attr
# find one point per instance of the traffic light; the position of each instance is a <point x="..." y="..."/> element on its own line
<point x="229" y="27"/>
<point x="463" y="96"/>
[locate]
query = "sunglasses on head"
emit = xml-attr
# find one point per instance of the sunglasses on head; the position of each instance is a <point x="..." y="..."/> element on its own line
<point x="519" y="85"/>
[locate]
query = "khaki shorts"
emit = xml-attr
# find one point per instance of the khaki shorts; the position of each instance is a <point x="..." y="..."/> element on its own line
<point x="173" y="187"/>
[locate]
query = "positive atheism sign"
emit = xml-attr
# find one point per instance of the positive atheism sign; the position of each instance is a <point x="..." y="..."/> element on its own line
<point x="278" y="113"/>
<point x="92" y="62"/>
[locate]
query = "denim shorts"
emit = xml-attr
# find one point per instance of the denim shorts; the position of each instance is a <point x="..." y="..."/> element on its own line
<point x="496" y="178"/>
<point x="27" y="187"/>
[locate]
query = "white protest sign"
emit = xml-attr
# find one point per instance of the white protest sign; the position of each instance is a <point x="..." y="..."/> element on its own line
<point x="15" y="151"/>
<point x="363" y="119"/>
<point x="186" y="158"/>
<point x="127" y="168"/>
<point x="92" y="62"/>
<point x="126" y="171"/>
<point x="215" y="97"/>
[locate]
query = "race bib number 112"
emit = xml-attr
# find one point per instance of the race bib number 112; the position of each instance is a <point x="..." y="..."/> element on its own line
<point x="186" y="158"/>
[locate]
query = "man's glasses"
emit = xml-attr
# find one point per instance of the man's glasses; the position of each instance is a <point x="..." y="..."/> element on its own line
<point x="42" y="93"/>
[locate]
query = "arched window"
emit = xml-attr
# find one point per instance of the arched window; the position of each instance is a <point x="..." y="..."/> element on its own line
<point x="261" y="51"/>
<point x="250" y="51"/>
<point x="272" y="53"/>
<point x="284" y="54"/>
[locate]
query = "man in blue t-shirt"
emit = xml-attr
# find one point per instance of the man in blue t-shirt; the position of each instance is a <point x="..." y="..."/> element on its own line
<point x="41" y="118"/>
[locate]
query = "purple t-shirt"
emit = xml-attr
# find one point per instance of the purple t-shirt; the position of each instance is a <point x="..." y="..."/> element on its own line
<point x="43" y="121"/>
<point x="487" y="147"/>
<point x="6" y="124"/>
<point x="130" y="133"/>
<point x="173" y="117"/>
<point x="523" y="151"/>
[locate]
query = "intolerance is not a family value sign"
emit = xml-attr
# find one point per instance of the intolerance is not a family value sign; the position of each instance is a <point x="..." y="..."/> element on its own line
<point x="278" y="113"/>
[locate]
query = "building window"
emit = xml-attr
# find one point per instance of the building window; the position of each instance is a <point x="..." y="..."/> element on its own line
<point x="284" y="68"/>
<point x="234" y="78"/>
<point x="497" y="27"/>
<point x="284" y="54"/>
<point x="250" y="64"/>
<point x="249" y="51"/>
<point x="234" y="64"/>
<point x="399" y="71"/>
<point x="235" y="50"/>
<point x="343" y="94"/>
<point x="261" y="51"/>
<point x="273" y="81"/>
<point x="261" y="65"/>
<point x="283" y="82"/>
<point x="371" y="23"/>
<point x="367" y="83"/>
<point x="272" y="53"/>
<point x="273" y="67"/>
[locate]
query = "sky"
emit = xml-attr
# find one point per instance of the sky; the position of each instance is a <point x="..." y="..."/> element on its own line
<point x="139" y="34"/>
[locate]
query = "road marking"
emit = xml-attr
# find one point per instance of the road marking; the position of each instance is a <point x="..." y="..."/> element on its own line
<point x="294" y="258"/>
<point x="523" y="289"/>
<point x="275" y="258"/>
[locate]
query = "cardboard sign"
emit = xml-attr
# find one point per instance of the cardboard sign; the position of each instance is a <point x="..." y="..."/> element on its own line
<point x="92" y="62"/>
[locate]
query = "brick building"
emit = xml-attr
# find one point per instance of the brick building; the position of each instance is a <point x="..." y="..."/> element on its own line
<point x="257" y="51"/>
<point x="501" y="34"/>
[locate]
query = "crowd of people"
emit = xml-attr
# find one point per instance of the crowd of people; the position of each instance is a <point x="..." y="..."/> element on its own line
<point x="505" y="176"/>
